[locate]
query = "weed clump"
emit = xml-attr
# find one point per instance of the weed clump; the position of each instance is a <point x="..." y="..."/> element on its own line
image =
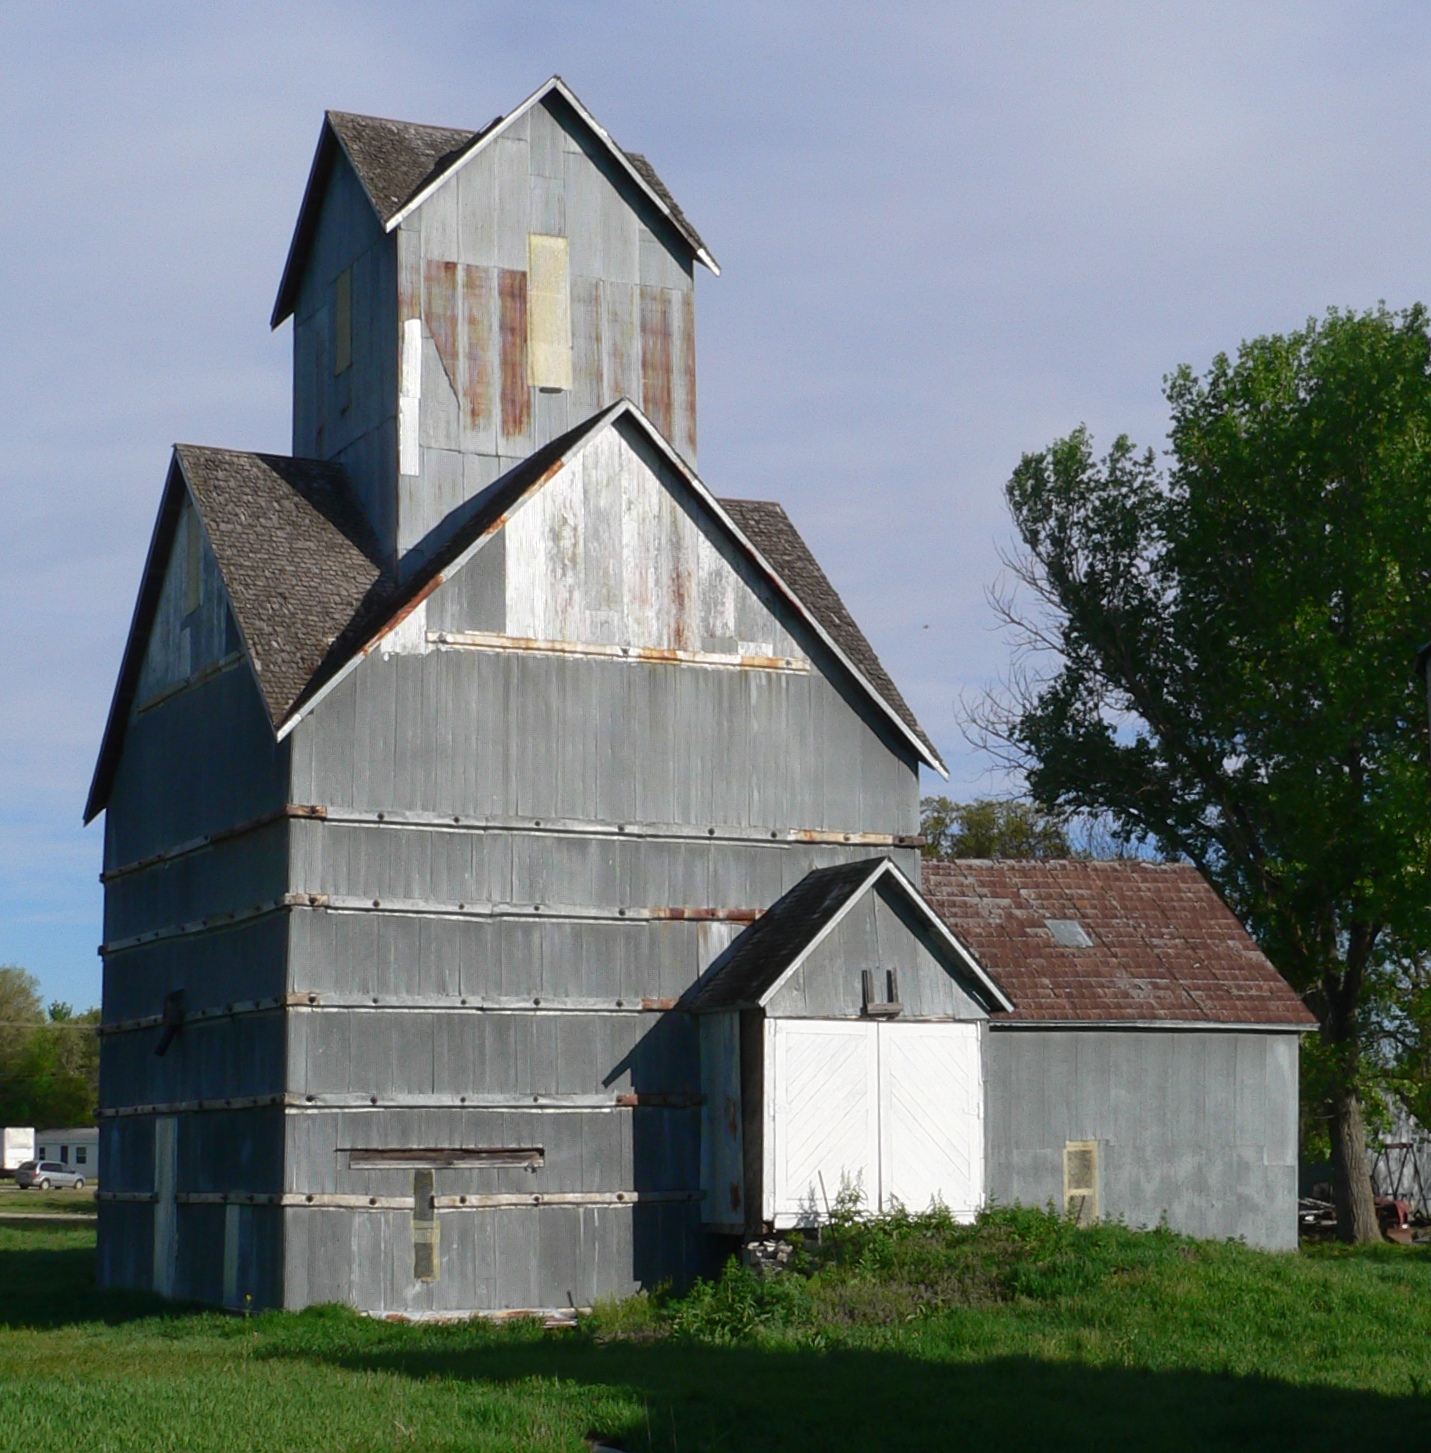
<point x="882" y="1271"/>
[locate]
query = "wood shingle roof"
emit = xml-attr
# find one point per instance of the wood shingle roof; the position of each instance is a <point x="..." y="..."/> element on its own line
<point x="310" y="592"/>
<point x="768" y="528"/>
<point x="397" y="162"/>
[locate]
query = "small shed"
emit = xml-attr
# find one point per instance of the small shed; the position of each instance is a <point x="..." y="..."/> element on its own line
<point x="1150" y="1069"/>
<point x="842" y="1050"/>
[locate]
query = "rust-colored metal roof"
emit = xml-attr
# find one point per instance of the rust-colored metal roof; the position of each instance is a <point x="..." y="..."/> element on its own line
<point x="1164" y="947"/>
<point x="764" y="955"/>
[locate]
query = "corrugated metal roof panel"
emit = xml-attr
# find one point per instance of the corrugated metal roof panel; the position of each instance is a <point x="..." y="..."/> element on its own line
<point x="1163" y="946"/>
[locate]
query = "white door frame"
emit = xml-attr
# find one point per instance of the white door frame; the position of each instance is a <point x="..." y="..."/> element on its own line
<point x="867" y="1081"/>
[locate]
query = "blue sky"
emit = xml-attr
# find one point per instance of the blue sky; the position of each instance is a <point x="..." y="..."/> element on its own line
<point x="949" y="233"/>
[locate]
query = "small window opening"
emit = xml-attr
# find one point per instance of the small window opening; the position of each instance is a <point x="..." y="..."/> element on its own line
<point x="81" y="1155"/>
<point x="343" y="322"/>
<point x="548" y="313"/>
<point x="1080" y="1181"/>
<point x="424" y="1227"/>
<point x="1069" y="932"/>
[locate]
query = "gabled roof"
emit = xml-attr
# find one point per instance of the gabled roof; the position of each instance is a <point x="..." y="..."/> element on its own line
<point x="298" y="560"/>
<point x="768" y="528"/>
<point x="310" y="596"/>
<point x="829" y="620"/>
<point x="1163" y="947"/>
<point x="784" y="936"/>
<point x="400" y="163"/>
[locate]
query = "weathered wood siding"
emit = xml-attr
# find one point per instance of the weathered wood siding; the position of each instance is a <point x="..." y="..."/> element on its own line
<point x="193" y="632"/>
<point x="522" y="847"/>
<point x="350" y="416"/>
<point x="1197" y="1126"/>
<point x="878" y="933"/>
<point x="463" y="273"/>
<point x="199" y="759"/>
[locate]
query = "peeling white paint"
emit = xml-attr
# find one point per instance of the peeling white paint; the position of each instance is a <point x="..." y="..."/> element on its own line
<point x="409" y="636"/>
<point x="410" y="398"/>
<point x="609" y="553"/>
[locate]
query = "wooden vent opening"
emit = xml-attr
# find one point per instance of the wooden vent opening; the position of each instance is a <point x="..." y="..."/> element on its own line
<point x="430" y="1157"/>
<point x="1080" y="1181"/>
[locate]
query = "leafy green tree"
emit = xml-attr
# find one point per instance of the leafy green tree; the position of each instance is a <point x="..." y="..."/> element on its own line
<point x="1235" y="635"/>
<point x="990" y="827"/>
<point x="49" y="1063"/>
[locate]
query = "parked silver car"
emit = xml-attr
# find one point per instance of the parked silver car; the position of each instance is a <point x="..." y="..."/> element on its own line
<point x="47" y="1175"/>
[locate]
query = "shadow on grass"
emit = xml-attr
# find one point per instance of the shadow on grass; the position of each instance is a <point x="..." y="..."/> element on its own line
<point x="702" y="1397"/>
<point x="47" y="1282"/>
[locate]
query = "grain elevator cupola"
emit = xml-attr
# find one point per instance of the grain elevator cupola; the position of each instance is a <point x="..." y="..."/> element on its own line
<point x="461" y="298"/>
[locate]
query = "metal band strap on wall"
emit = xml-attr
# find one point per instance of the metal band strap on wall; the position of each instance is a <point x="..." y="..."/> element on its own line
<point x="322" y="1200"/>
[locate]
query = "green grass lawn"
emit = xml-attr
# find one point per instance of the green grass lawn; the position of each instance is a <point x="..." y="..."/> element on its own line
<point x="50" y="1203"/>
<point x="1021" y="1333"/>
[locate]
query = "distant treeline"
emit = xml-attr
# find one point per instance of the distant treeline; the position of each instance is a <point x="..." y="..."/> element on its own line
<point x="49" y="1058"/>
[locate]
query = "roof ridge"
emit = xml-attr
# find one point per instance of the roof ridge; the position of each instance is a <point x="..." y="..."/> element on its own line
<point x="398" y="121"/>
<point x="402" y="161"/>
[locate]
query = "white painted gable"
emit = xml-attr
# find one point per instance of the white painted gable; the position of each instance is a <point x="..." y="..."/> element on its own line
<point x="609" y="552"/>
<point x="615" y="552"/>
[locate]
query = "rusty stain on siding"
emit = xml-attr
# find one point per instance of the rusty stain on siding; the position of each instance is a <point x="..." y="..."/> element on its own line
<point x="687" y="366"/>
<point x="516" y="393"/>
<point x="477" y="342"/>
<point x="409" y="292"/>
<point x="618" y="304"/>
<point x="656" y="358"/>
<point x="685" y="631"/>
<point x="707" y="915"/>
<point x="590" y="347"/>
<point x="439" y="310"/>
<point x="402" y="613"/>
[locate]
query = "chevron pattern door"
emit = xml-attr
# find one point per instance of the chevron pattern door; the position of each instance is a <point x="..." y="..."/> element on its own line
<point x="822" y="1116"/>
<point x="931" y="1117"/>
<point x="893" y="1109"/>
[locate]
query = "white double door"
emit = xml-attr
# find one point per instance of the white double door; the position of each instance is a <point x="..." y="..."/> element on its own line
<point x="895" y="1110"/>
